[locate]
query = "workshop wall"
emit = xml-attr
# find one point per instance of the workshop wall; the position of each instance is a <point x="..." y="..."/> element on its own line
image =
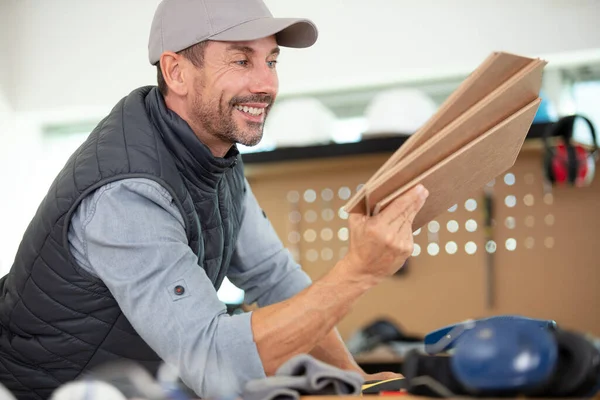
<point x="544" y="248"/>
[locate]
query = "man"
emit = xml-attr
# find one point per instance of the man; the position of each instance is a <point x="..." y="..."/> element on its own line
<point x="126" y="253"/>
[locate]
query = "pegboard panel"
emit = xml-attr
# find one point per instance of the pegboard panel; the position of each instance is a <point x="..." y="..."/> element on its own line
<point x="542" y="245"/>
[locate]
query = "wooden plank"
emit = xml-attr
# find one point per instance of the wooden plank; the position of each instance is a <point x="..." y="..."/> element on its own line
<point x="470" y="168"/>
<point x="491" y="73"/>
<point x="509" y="98"/>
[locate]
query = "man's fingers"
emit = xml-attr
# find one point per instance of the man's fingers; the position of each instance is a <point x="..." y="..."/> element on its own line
<point x="400" y="222"/>
<point x="410" y="199"/>
<point x="406" y="218"/>
<point x="408" y="215"/>
<point x="406" y="206"/>
<point x="355" y="217"/>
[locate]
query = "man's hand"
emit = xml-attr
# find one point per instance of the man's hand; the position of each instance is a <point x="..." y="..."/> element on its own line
<point x="380" y="245"/>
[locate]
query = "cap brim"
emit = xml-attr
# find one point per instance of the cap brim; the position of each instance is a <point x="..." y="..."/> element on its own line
<point x="289" y="32"/>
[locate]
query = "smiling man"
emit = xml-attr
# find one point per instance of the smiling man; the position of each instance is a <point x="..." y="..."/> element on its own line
<point x="230" y="97"/>
<point x="126" y="253"/>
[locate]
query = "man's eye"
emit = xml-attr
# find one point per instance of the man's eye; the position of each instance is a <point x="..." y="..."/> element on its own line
<point x="242" y="62"/>
<point x="272" y="63"/>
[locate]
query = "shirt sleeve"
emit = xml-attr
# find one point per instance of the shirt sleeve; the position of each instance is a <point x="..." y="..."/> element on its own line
<point x="131" y="235"/>
<point x="261" y="265"/>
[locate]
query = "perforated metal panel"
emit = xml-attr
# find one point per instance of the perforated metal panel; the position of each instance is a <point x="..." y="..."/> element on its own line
<point x="544" y="245"/>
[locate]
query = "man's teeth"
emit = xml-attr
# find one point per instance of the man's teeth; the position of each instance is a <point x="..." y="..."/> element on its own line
<point x="250" y="110"/>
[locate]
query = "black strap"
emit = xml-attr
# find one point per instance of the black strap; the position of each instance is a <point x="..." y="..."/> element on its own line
<point x="564" y="128"/>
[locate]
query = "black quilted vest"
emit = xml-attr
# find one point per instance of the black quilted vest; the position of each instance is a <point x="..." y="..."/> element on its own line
<point x="55" y="320"/>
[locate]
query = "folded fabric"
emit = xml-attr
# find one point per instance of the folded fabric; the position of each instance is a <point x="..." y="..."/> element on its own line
<point x="304" y="375"/>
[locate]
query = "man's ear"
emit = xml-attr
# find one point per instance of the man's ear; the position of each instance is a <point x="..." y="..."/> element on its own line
<point x="172" y="66"/>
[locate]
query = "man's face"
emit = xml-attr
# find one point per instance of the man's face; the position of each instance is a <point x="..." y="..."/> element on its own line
<point x="234" y="90"/>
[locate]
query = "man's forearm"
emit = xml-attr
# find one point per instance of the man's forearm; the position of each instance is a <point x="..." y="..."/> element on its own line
<point x="297" y="325"/>
<point x="332" y="350"/>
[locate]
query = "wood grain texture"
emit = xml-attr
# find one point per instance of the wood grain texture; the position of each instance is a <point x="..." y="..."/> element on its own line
<point x="508" y="99"/>
<point x="471" y="167"/>
<point x="489" y="75"/>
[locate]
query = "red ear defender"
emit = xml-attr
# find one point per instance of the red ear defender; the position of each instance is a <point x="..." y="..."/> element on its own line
<point x="559" y="165"/>
<point x="587" y="167"/>
<point x="567" y="163"/>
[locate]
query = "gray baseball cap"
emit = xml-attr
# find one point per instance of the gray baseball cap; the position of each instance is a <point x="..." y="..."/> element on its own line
<point x="179" y="24"/>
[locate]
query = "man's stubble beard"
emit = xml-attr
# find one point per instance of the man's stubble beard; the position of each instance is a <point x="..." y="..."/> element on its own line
<point x="217" y="120"/>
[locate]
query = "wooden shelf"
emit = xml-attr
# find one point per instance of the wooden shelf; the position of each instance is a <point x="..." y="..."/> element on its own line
<point x="368" y="146"/>
<point x="368" y="154"/>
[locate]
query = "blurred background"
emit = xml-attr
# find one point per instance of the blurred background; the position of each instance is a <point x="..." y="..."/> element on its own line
<point x="379" y="70"/>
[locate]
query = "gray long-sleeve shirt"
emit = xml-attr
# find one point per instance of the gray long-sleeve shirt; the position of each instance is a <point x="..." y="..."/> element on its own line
<point x="131" y="235"/>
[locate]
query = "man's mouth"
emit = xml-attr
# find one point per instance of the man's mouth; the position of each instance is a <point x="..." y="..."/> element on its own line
<point x="255" y="111"/>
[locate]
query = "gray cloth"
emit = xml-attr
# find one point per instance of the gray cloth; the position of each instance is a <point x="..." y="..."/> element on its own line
<point x="304" y="375"/>
<point x="136" y="220"/>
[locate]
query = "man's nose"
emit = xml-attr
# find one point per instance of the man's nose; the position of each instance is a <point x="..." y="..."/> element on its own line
<point x="264" y="80"/>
